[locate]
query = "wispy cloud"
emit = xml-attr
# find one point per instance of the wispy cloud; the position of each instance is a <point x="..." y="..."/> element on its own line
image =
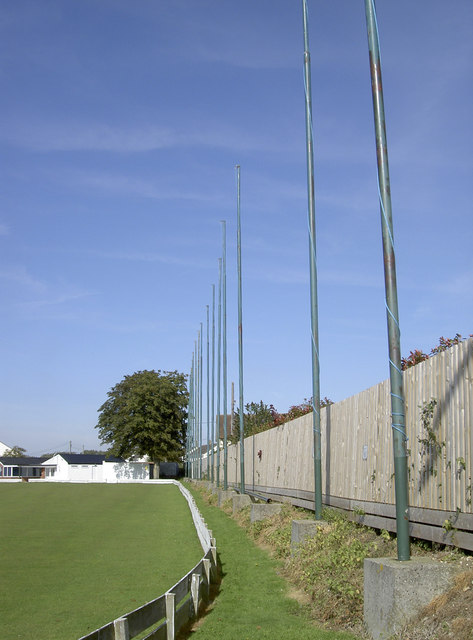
<point x="20" y="276"/>
<point x="57" y="299"/>
<point x="151" y="257"/>
<point x="4" y="230"/>
<point x="83" y="136"/>
<point x="123" y="184"/>
<point x="34" y="293"/>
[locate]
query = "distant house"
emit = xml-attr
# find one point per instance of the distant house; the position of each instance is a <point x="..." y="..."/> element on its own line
<point x="75" y="467"/>
<point x="23" y="467"/>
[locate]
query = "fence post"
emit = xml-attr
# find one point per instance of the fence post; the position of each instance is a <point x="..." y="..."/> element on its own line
<point x="195" y="592"/>
<point x="170" y="611"/>
<point x="120" y="628"/>
<point x="207" y="569"/>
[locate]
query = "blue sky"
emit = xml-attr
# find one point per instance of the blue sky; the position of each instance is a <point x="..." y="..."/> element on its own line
<point x="121" y="123"/>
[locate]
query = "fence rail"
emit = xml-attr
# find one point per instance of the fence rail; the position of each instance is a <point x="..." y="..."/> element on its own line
<point x="181" y="603"/>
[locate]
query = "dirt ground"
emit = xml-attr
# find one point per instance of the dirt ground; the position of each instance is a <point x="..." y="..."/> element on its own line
<point x="448" y="617"/>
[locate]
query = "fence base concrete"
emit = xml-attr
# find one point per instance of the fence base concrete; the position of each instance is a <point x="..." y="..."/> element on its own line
<point x="262" y="511"/>
<point x="223" y="496"/>
<point x="240" y="502"/>
<point x="304" y="529"/>
<point x="394" y="591"/>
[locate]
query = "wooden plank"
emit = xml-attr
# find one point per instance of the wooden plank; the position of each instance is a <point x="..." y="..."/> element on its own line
<point x="183" y="614"/>
<point x="146" y="616"/>
<point x="181" y="588"/>
<point x="461" y="521"/>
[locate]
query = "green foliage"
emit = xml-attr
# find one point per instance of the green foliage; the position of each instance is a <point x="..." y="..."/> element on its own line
<point x="256" y="417"/>
<point x="260" y="417"/>
<point x="329" y="566"/>
<point x="145" y="414"/>
<point x="430" y="442"/>
<point x="15" y="452"/>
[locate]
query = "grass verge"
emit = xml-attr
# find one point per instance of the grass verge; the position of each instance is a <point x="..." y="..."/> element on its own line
<point x="253" y="599"/>
<point x="76" y="556"/>
<point x="328" y="569"/>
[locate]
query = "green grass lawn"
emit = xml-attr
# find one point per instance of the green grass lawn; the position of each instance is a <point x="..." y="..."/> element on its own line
<point x="252" y="602"/>
<point x="76" y="556"/>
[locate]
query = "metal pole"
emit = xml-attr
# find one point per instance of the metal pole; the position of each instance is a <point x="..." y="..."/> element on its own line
<point x="196" y="400"/>
<point x="192" y="417"/>
<point x="392" y="313"/>
<point x="213" y="381"/>
<point x="240" y="339"/>
<point x="219" y="358"/>
<point x="313" y="275"/>
<point x="208" y="394"/>
<point x="224" y="331"/>
<point x="189" y="422"/>
<point x="201" y="413"/>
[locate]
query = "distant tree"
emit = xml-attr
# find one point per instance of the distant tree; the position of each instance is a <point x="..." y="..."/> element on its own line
<point x="146" y="414"/>
<point x="260" y="417"/>
<point x="256" y="417"/>
<point x="94" y="452"/>
<point x="15" y="452"/>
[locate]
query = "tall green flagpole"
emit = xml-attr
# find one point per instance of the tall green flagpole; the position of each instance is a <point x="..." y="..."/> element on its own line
<point x="313" y="275"/>
<point x="392" y="313"/>
<point x="219" y="359"/>
<point x="240" y="340"/>
<point x="224" y="334"/>
<point x="208" y="393"/>
<point x="212" y="476"/>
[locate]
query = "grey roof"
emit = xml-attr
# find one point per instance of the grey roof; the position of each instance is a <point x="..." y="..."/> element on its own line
<point x="92" y="458"/>
<point x="21" y="461"/>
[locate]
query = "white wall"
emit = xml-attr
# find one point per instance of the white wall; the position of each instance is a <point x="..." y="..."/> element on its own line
<point x="125" y="471"/>
<point x="3" y="448"/>
<point x="105" y="472"/>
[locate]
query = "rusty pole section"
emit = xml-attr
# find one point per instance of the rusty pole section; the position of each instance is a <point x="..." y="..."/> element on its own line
<point x="394" y="338"/>
<point x="313" y="275"/>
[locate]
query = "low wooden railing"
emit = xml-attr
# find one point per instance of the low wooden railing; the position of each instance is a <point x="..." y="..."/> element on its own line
<point x="168" y="613"/>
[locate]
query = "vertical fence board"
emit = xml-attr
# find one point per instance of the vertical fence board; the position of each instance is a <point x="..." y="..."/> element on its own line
<point x="362" y="423"/>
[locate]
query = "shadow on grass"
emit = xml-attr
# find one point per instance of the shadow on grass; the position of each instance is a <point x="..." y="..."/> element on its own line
<point x="207" y="606"/>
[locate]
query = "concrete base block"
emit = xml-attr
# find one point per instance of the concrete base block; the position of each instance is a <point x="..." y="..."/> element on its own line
<point x="394" y="592"/>
<point x="262" y="511"/>
<point x="304" y="529"/>
<point x="223" y="496"/>
<point x="240" y="502"/>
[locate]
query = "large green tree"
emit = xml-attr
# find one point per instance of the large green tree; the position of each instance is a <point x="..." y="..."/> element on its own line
<point x="146" y="414"/>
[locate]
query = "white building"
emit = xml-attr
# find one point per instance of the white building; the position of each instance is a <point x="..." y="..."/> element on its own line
<point x="75" y="467"/>
<point x="3" y="449"/>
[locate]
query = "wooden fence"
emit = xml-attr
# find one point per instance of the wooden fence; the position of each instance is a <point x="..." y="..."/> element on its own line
<point x="166" y="615"/>
<point x="357" y="458"/>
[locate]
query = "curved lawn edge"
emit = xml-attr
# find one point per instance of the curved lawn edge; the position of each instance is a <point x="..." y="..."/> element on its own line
<point x="192" y="589"/>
